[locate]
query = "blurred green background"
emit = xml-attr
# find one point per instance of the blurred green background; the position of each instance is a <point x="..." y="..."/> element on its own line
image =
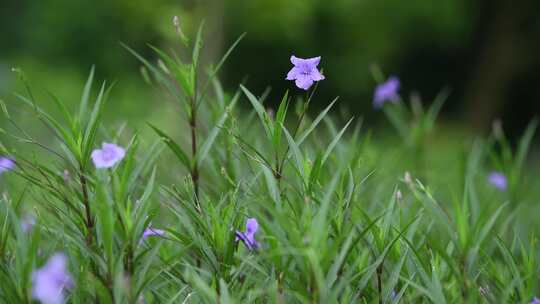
<point x="485" y="51"/>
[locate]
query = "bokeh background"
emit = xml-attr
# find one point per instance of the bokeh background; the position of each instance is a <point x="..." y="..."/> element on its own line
<point x="485" y="51"/>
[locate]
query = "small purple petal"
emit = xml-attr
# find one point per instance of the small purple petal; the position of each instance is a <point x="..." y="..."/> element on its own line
<point x="498" y="180"/>
<point x="387" y="91"/>
<point x="296" y="61"/>
<point x="6" y="164"/>
<point x="27" y="223"/>
<point x="240" y="236"/>
<point x="316" y="75"/>
<point x="535" y="300"/>
<point x="252" y="226"/>
<point x="49" y="282"/>
<point x="293" y="73"/>
<point x="151" y="231"/>
<point x="108" y="155"/>
<point x="304" y="81"/>
<point x="313" y="61"/>
<point x="305" y="72"/>
<point x="248" y="237"/>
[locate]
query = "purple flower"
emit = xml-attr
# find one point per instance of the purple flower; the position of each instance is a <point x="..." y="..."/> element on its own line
<point x="27" y="223"/>
<point x="387" y="91"/>
<point x="498" y="180"/>
<point x="49" y="282"/>
<point x="151" y="231"/>
<point x="305" y="71"/>
<point x="535" y="300"/>
<point x="6" y="164"/>
<point x="248" y="237"/>
<point x="393" y="295"/>
<point x="108" y="155"/>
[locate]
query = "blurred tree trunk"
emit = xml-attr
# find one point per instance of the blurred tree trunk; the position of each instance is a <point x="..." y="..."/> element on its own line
<point x="499" y="59"/>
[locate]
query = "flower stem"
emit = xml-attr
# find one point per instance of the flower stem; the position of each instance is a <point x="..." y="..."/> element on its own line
<point x="279" y="168"/>
<point x="195" y="165"/>
<point x="379" y="282"/>
<point x="89" y="223"/>
<point x="86" y="201"/>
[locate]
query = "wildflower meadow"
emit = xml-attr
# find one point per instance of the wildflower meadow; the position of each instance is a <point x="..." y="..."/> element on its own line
<point x="239" y="202"/>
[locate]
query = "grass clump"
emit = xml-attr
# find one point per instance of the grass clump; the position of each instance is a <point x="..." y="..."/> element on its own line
<point x="334" y="215"/>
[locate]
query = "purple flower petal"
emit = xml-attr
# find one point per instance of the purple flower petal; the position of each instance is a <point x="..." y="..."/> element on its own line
<point x="316" y="75"/>
<point x="27" y="223"/>
<point x="304" y="81"/>
<point x="108" y="155"/>
<point x="240" y="236"/>
<point x="498" y="180"/>
<point x="49" y="282"/>
<point x="305" y="72"/>
<point x="151" y="231"/>
<point x="387" y="91"/>
<point x="6" y="164"/>
<point x="248" y="237"/>
<point x="252" y="226"/>
<point x="535" y="300"/>
<point x="314" y="61"/>
<point x="293" y="73"/>
<point x="296" y="61"/>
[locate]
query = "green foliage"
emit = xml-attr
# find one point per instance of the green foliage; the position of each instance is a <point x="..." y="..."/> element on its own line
<point x="340" y="221"/>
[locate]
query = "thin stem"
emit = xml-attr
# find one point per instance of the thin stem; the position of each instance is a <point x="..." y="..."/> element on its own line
<point x="193" y="126"/>
<point x="195" y="168"/>
<point x="194" y="103"/>
<point x="86" y="202"/>
<point x="90" y="225"/>
<point x="279" y="170"/>
<point x="379" y="282"/>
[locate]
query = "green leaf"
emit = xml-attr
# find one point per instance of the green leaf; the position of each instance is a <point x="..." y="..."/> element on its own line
<point x="299" y="160"/>
<point x="280" y="120"/>
<point x="65" y="112"/>
<point x="55" y="126"/>
<point x="93" y="124"/>
<point x="524" y="144"/>
<point x="396" y="114"/>
<point x="335" y="141"/>
<point x="215" y="70"/>
<point x="104" y="212"/>
<point x="180" y="71"/>
<point x="175" y="148"/>
<point x="197" y="47"/>
<point x="263" y="116"/>
<point x="160" y="76"/>
<point x="435" y="108"/>
<point x="205" y="148"/>
<point x="316" y="122"/>
<point x="83" y="106"/>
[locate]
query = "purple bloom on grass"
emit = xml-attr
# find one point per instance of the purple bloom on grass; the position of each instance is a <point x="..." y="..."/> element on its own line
<point x="6" y="164"/>
<point x="27" y="223"/>
<point x="305" y="71"/>
<point x="248" y="237"/>
<point x="387" y="91"/>
<point x="151" y="231"/>
<point x="49" y="282"/>
<point x="108" y="155"/>
<point x="535" y="300"/>
<point x="498" y="180"/>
